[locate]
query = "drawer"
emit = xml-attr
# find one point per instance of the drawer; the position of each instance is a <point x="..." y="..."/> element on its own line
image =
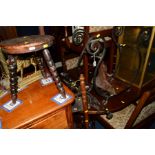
<point x="55" y="121"/>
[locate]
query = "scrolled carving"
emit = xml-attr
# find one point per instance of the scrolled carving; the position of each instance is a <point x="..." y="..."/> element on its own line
<point x="94" y="45"/>
<point x="78" y="37"/>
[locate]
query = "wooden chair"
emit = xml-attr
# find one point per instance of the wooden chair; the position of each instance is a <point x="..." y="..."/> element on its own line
<point x="67" y="46"/>
<point x="134" y="115"/>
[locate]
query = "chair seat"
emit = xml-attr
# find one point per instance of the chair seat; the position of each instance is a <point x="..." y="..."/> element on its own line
<point x="121" y="117"/>
<point x="26" y="44"/>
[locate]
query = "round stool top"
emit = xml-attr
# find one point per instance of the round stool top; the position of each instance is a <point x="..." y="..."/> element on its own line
<point x="26" y="44"/>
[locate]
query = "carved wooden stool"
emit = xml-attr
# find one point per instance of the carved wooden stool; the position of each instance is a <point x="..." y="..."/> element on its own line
<point x="27" y="44"/>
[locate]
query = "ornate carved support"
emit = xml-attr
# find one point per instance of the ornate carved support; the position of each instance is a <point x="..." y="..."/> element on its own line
<point x="13" y="77"/>
<point x="78" y="36"/>
<point x="53" y="71"/>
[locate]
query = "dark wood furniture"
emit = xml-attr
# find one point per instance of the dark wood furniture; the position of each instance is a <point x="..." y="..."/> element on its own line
<point x="110" y="45"/>
<point x="29" y="44"/>
<point x="135" y="115"/>
<point x="67" y="46"/>
<point x="135" y="75"/>
<point x="135" y="67"/>
<point x="38" y="111"/>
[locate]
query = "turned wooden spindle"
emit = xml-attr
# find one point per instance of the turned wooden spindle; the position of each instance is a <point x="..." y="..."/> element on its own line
<point x="51" y="66"/>
<point x="40" y="64"/>
<point x="12" y="66"/>
<point x="84" y="100"/>
<point x="53" y="71"/>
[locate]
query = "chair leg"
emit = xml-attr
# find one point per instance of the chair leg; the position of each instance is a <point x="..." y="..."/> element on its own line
<point x="137" y="110"/>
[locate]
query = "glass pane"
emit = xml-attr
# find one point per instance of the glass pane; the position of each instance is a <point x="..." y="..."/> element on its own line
<point x="132" y="56"/>
<point x="150" y="70"/>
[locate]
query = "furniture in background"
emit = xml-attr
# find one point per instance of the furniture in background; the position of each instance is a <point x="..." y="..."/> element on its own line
<point x="134" y="79"/>
<point x="38" y="110"/>
<point x="86" y="107"/>
<point x="68" y="47"/>
<point x="134" y="115"/>
<point x="106" y="33"/>
<point x="133" y="73"/>
<point x="135" y="62"/>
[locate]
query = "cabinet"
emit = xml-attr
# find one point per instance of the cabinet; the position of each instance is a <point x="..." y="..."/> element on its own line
<point x="136" y="60"/>
<point x="38" y="111"/>
<point x="134" y="71"/>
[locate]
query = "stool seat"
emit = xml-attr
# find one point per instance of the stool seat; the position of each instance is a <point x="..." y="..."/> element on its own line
<point x="26" y="44"/>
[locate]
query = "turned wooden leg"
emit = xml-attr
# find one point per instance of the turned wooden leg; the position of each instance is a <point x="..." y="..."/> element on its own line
<point x="84" y="100"/>
<point x="40" y="64"/>
<point x="53" y="71"/>
<point x="12" y="65"/>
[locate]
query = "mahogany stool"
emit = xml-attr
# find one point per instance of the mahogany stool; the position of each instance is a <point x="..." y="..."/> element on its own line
<point x="28" y="44"/>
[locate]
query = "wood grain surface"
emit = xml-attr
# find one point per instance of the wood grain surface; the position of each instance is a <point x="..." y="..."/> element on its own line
<point x="37" y="106"/>
<point x="26" y="44"/>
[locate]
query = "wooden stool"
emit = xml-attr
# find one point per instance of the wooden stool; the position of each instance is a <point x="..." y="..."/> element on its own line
<point x="28" y="44"/>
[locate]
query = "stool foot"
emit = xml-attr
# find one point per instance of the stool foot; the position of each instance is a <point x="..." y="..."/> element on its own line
<point x="53" y="71"/>
<point x="12" y="65"/>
